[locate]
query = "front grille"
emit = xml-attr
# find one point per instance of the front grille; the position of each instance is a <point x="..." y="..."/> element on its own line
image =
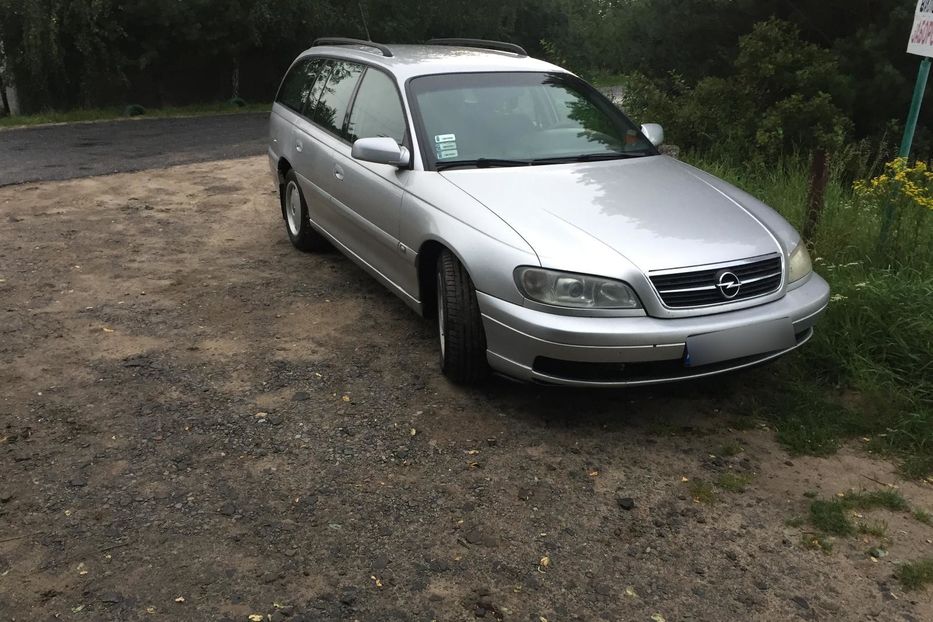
<point x="703" y="287"/>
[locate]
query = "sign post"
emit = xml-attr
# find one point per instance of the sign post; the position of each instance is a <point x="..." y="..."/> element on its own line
<point x="921" y="43"/>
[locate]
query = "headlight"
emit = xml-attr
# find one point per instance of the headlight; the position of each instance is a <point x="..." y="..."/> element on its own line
<point x="577" y="291"/>
<point x="800" y="265"/>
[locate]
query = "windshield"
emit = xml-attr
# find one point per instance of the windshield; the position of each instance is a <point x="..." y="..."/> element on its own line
<point x="512" y="119"/>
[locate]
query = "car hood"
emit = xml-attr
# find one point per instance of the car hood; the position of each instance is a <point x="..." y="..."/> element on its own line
<point x="655" y="212"/>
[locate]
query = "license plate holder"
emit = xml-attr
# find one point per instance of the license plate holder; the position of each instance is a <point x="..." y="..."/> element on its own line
<point x="736" y="343"/>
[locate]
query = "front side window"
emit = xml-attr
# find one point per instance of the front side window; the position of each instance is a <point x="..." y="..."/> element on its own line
<point x="490" y="119"/>
<point x="331" y="108"/>
<point x="377" y="109"/>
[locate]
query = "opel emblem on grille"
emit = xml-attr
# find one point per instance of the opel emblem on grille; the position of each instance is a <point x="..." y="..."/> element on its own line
<point x="728" y="284"/>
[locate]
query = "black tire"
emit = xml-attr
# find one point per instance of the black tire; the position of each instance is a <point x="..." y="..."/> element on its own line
<point x="460" y="326"/>
<point x="297" y="224"/>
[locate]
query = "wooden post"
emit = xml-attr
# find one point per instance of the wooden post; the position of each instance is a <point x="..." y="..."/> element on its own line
<point x="816" y="198"/>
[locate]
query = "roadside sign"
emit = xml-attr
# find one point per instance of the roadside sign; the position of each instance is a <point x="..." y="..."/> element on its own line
<point x="921" y="35"/>
<point x="920" y="43"/>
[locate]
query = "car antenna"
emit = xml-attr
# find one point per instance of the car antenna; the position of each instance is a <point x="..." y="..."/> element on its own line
<point x="363" y="17"/>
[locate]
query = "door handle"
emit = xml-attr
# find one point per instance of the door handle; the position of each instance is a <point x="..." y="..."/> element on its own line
<point x="298" y="146"/>
<point x="338" y="172"/>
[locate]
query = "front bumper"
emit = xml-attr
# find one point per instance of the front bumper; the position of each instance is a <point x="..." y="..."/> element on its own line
<point x="532" y="345"/>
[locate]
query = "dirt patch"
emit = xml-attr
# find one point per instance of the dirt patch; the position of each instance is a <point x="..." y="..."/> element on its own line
<point x="190" y="409"/>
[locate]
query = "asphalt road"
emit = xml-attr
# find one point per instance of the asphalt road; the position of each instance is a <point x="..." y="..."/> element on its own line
<point x="86" y="149"/>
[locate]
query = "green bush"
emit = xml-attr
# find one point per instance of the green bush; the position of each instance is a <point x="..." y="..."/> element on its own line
<point x="780" y="98"/>
<point x="134" y="110"/>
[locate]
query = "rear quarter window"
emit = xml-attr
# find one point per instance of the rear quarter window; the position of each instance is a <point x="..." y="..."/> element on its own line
<point x="297" y="90"/>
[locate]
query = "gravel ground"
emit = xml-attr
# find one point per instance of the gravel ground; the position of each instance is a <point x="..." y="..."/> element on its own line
<point x="66" y="151"/>
<point x="199" y="423"/>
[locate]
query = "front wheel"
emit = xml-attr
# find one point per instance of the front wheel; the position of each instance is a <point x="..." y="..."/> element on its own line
<point x="460" y="326"/>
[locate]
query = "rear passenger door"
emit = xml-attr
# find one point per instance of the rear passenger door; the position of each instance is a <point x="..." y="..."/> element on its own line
<point x="365" y="197"/>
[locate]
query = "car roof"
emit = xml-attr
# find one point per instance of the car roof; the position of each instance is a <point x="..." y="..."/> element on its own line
<point x="408" y="61"/>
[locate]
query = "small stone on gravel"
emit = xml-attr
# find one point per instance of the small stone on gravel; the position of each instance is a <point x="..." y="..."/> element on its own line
<point x="626" y="503"/>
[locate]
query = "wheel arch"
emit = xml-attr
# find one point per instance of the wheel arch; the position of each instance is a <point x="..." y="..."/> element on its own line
<point x="426" y="264"/>
<point x="283" y="166"/>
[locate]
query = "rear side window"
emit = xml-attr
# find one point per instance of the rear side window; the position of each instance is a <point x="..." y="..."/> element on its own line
<point x="290" y="91"/>
<point x="297" y="87"/>
<point x="331" y="108"/>
<point x="377" y="109"/>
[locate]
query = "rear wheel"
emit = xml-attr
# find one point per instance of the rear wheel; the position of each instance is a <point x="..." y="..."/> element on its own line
<point x="297" y="223"/>
<point x="460" y="327"/>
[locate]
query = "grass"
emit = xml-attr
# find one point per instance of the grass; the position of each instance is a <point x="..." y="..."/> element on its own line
<point x="888" y="499"/>
<point x="742" y="423"/>
<point x="868" y="371"/>
<point x="102" y="114"/>
<point x="702" y="491"/>
<point x="830" y="517"/>
<point x="733" y="482"/>
<point x="815" y="542"/>
<point x="878" y="529"/>
<point x="728" y="450"/>
<point x="923" y="516"/>
<point x="915" y="575"/>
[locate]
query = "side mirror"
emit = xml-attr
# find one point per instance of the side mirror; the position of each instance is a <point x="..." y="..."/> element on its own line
<point x="654" y="133"/>
<point x="381" y="150"/>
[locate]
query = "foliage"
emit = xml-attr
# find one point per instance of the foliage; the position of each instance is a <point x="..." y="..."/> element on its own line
<point x="806" y="74"/>
<point x="915" y="575"/>
<point x="901" y="201"/>
<point x="702" y="491"/>
<point x="867" y="373"/>
<point x="677" y="44"/>
<point x="830" y="517"/>
<point x="733" y="482"/>
<point x="779" y="98"/>
<point x="64" y="54"/>
<point x="867" y="500"/>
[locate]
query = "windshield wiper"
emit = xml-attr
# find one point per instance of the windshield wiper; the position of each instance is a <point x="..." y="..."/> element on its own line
<point x="592" y="157"/>
<point x="481" y="163"/>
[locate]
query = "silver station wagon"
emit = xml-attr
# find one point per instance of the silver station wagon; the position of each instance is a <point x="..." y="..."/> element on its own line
<point x="512" y="202"/>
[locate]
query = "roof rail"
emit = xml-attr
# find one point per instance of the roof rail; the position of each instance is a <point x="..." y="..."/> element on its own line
<point x="345" y="41"/>
<point x="482" y="43"/>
